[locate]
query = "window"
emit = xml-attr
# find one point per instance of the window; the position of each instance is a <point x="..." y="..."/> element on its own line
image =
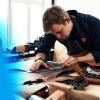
<point x="26" y="20"/>
<point x="19" y="23"/>
<point x="3" y="23"/>
<point x="36" y="21"/>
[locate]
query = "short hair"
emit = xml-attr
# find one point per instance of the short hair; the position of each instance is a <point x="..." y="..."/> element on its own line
<point x="53" y="15"/>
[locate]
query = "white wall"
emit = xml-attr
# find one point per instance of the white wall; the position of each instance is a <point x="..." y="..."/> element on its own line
<point x="86" y="6"/>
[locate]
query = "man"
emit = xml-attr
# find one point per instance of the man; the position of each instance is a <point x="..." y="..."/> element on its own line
<point x="80" y="33"/>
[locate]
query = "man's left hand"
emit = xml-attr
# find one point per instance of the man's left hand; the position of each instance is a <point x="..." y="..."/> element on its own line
<point x="69" y="61"/>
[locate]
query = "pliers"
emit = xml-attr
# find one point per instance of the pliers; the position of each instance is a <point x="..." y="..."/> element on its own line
<point x="30" y="82"/>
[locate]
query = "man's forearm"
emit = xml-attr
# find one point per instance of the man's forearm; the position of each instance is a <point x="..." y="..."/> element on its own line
<point x="86" y="58"/>
<point x="41" y="55"/>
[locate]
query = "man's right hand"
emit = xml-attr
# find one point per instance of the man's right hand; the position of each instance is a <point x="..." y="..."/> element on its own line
<point x="37" y="64"/>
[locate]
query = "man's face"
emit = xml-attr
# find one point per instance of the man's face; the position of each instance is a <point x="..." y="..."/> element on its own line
<point x="62" y="31"/>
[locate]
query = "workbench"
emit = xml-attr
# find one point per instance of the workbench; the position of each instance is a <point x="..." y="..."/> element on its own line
<point x="22" y="74"/>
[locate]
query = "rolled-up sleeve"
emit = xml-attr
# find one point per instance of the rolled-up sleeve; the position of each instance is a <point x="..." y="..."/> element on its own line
<point x="96" y="39"/>
<point x="46" y="44"/>
<point x="96" y="49"/>
<point x="96" y="55"/>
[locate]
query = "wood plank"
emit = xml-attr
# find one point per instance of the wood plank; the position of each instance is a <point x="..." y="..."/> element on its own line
<point x="57" y="95"/>
<point x="90" y="93"/>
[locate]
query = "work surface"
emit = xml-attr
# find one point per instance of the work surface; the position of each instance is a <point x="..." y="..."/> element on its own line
<point x="20" y="73"/>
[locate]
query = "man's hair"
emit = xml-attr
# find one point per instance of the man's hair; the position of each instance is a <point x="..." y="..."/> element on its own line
<point x="53" y="15"/>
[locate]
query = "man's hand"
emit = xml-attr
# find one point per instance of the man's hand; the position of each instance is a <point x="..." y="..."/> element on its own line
<point x="69" y="61"/>
<point x="36" y="65"/>
<point x="71" y="64"/>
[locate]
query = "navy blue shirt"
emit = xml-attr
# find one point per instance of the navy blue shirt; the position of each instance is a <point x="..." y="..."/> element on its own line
<point x="84" y="37"/>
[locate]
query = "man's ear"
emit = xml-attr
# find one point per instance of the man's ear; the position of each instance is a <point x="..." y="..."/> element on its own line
<point x="67" y="18"/>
